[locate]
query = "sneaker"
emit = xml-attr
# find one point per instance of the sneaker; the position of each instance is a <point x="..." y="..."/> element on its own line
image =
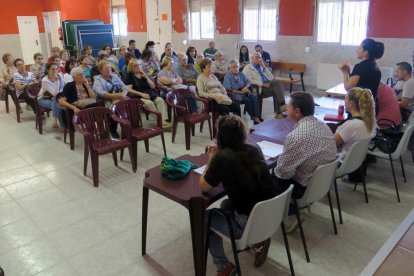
<point x="260" y="252"/>
<point x="278" y="116"/>
<point x="283" y="108"/>
<point x="54" y="122"/>
<point x="229" y="270"/>
<point x="291" y="223"/>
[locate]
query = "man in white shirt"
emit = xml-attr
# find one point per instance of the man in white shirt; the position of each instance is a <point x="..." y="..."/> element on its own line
<point x="403" y="73"/>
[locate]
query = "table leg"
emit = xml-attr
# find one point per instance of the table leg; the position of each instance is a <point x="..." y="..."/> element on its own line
<point x="145" y="192"/>
<point x="196" y="209"/>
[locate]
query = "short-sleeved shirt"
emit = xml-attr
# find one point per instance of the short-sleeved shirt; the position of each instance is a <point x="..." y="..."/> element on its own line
<point x="266" y="58"/>
<point x="114" y="84"/>
<point x="235" y="81"/>
<point x="352" y="131"/>
<point x="138" y="84"/>
<point x="244" y="176"/>
<point x="187" y="72"/>
<point x="208" y="53"/>
<point x="171" y="74"/>
<point x="24" y="80"/>
<point x="51" y="87"/>
<point x="369" y="75"/>
<point x="408" y="92"/>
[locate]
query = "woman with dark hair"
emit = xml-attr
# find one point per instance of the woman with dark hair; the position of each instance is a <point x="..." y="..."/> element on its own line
<point x="110" y="53"/>
<point x="242" y="171"/>
<point x="365" y="74"/>
<point x="243" y="56"/>
<point x="149" y="63"/>
<point x="84" y="65"/>
<point x="69" y="65"/>
<point x="191" y="54"/>
<point x="150" y="45"/>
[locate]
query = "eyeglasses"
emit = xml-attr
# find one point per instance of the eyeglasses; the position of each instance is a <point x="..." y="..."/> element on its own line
<point x="39" y="58"/>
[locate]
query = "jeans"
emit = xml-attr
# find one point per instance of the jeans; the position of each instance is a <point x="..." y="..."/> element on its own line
<point x="252" y="105"/>
<point x="53" y="105"/>
<point x="276" y="91"/>
<point x="219" y="223"/>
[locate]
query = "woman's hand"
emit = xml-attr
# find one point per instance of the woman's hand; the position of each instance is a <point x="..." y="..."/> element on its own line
<point x="75" y="109"/>
<point x="345" y="67"/>
<point x="145" y="96"/>
<point x="245" y="89"/>
<point x="211" y="150"/>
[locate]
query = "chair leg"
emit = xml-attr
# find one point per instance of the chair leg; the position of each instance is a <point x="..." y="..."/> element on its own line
<point x="95" y="169"/>
<point x="131" y="157"/>
<point x="302" y="234"/>
<point x="412" y="153"/>
<point x="209" y="128"/>
<point x="122" y="155"/>
<point x="332" y="213"/>
<point x="146" y="142"/>
<point x="134" y="154"/>
<point x="114" y="156"/>
<point x="193" y="130"/>
<point x="39" y="122"/>
<point x="355" y="185"/>
<point x="187" y="136"/>
<point x="395" y="180"/>
<point x="285" y="239"/>
<point x="163" y="144"/>
<point x="303" y="84"/>
<point x="6" y="101"/>
<point x="174" y="130"/>
<point x="65" y="133"/>
<point x="364" y="184"/>
<point x="18" y="108"/>
<point x="234" y="247"/>
<point x="85" y="158"/>
<point x="403" y="171"/>
<point x="202" y="125"/>
<point x="337" y="202"/>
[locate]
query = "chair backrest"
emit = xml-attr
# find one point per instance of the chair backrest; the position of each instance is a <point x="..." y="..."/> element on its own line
<point x="402" y="145"/>
<point x="33" y="90"/>
<point x="129" y="110"/>
<point x="354" y="157"/>
<point x="265" y="219"/>
<point x="320" y="184"/>
<point x="93" y="121"/>
<point x="179" y="97"/>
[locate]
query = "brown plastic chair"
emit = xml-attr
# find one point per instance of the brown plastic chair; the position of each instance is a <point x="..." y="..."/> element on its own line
<point x="69" y="128"/>
<point x="177" y="99"/>
<point x="93" y="124"/>
<point x="11" y="91"/>
<point x="128" y="114"/>
<point x="33" y="91"/>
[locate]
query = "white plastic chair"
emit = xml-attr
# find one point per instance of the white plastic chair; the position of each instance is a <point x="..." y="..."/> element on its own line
<point x="353" y="160"/>
<point x="317" y="188"/>
<point x="263" y="222"/>
<point x="397" y="154"/>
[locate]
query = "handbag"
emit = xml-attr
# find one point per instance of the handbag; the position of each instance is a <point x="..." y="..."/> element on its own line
<point x="84" y="103"/>
<point x="173" y="169"/>
<point x="219" y="97"/>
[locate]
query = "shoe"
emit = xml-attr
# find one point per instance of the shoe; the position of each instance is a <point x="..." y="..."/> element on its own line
<point x="283" y="108"/>
<point x="278" y="116"/>
<point x="54" y="122"/>
<point x="229" y="270"/>
<point x="260" y="252"/>
<point x="291" y="223"/>
<point x="261" y="119"/>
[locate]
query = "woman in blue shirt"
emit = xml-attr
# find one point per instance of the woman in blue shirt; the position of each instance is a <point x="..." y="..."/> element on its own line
<point x="238" y="83"/>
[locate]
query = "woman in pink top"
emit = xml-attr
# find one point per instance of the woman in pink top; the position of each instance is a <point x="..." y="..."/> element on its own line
<point x="388" y="108"/>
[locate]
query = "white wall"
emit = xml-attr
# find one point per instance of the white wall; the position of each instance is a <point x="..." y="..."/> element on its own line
<point x="10" y="43"/>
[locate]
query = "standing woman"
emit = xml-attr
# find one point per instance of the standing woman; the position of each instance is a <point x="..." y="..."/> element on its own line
<point x="52" y="84"/>
<point x="243" y="56"/>
<point x="365" y="74"/>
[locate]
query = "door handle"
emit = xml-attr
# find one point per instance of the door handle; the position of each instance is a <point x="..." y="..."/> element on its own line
<point x="37" y="43"/>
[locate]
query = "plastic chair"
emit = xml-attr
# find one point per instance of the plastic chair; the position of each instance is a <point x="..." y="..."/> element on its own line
<point x="33" y="91"/>
<point x="397" y="154"/>
<point x="318" y="187"/>
<point x="263" y="222"/>
<point x="68" y="128"/>
<point x="128" y="114"/>
<point x="93" y="124"/>
<point x="11" y="91"/>
<point x="177" y="99"/>
<point x="353" y="160"/>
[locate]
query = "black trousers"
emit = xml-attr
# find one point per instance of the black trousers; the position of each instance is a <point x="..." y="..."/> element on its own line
<point x="223" y="109"/>
<point x="24" y="96"/>
<point x="281" y="185"/>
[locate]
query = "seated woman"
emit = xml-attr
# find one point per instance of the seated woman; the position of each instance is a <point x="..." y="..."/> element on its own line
<point x="55" y="52"/>
<point x="64" y="56"/>
<point x="210" y="87"/>
<point x="69" y="65"/>
<point x="360" y="103"/>
<point x="58" y="62"/>
<point x="121" y="52"/>
<point x="75" y="93"/>
<point x="150" y="45"/>
<point x="244" y="56"/>
<point x="110" y="53"/>
<point x="220" y="67"/>
<point x="187" y="72"/>
<point x="150" y="65"/>
<point x="7" y="71"/>
<point x="21" y="80"/>
<point x="169" y="80"/>
<point x="38" y="68"/>
<point x="388" y="108"/>
<point x="84" y="65"/>
<point x="237" y="82"/>
<point x="52" y="84"/>
<point x="191" y="54"/>
<point x="140" y="85"/>
<point x="199" y="58"/>
<point x="128" y="57"/>
<point x="241" y="169"/>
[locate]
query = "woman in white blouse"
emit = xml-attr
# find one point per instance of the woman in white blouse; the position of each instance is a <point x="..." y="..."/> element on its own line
<point x="52" y="84"/>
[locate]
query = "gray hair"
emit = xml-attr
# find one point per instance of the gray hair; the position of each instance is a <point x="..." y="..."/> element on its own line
<point x="182" y="56"/>
<point x="76" y="71"/>
<point x="219" y="53"/>
<point x="234" y="61"/>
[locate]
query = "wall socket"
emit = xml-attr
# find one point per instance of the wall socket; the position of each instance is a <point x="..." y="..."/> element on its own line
<point x="307" y="49"/>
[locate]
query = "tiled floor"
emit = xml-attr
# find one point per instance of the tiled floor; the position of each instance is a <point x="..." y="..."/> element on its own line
<point x="53" y="222"/>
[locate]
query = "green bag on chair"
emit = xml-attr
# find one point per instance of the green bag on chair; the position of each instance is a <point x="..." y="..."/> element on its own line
<point x="176" y="169"/>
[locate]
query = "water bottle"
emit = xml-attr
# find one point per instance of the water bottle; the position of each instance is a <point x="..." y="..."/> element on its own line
<point x="340" y="109"/>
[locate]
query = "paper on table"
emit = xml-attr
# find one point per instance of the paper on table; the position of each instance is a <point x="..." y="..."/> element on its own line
<point x="200" y="170"/>
<point x="270" y="149"/>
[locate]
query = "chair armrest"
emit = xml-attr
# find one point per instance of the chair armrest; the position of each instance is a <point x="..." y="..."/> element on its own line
<point x="87" y="135"/>
<point x="123" y="122"/>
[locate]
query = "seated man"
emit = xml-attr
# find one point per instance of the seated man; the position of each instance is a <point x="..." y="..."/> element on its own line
<point x="169" y="52"/>
<point x="133" y="49"/>
<point x="388" y="107"/>
<point x="258" y="74"/>
<point x="22" y="79"/>
<point x="169" y="45"/>
<point x="403" y="72"/>
<point x="265" y="55"/>
<point x="308" y="146"/>
<point x="210" y="52"/>
<point x="238" y="83"/>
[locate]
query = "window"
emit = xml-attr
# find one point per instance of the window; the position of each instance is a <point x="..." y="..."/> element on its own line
<point x="119" y="17"/>
<point x="342" y="21"/>
<point x="260" y="19"/>
<point x="201" y="14"/>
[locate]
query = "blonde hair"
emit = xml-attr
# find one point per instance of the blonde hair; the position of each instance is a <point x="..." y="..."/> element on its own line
<point x="181" y="57"/>
<point x="365" y="105"/>
<point x="131" y="64"/>
<point x="101" y="64"/>
<point x="165" y="61"/>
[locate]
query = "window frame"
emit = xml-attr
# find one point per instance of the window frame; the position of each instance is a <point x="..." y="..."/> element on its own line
<point x="189" y="23"/>
<point x="118" y="7"/>
<point x="315" y="31"/>
<point x="259" y="22"/>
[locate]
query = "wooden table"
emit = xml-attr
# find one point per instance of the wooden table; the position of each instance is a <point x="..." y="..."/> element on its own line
<point x="396" y="256"/>
<point x="338" y="91"/>
<point x="186" y="192"/>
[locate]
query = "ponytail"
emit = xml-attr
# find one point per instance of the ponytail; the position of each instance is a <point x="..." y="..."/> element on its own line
<point x="365" y="103"/>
